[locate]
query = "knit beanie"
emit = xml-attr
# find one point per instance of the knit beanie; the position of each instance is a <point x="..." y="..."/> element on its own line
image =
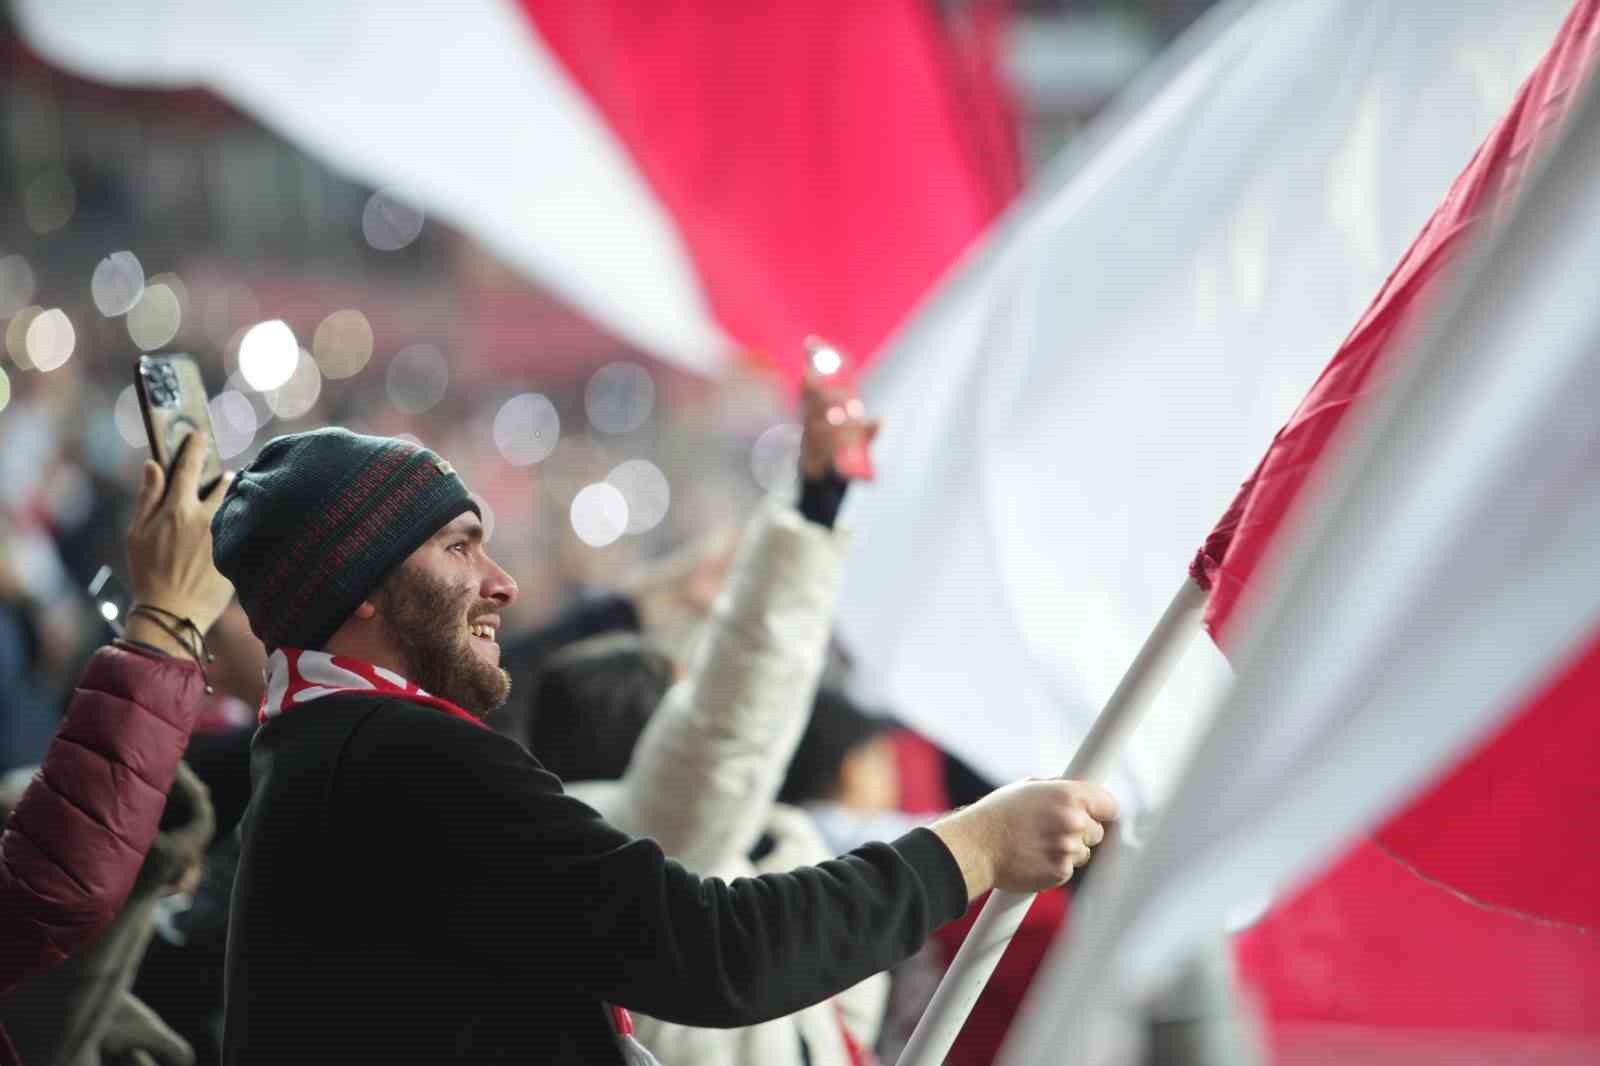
<point x="309" y="529"/>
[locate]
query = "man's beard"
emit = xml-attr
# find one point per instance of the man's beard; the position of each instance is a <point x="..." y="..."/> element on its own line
<point x="416" y="615"/>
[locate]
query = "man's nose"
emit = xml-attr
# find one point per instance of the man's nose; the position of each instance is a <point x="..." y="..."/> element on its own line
<point x="498" y="585"/>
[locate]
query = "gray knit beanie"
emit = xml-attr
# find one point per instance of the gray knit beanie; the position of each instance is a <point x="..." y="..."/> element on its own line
<point x="311" y="527"/>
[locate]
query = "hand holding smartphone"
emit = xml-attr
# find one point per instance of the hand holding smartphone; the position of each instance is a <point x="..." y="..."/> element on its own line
<point x="172" y="399"/>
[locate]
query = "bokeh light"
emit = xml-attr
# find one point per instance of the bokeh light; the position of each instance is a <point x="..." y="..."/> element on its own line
<point x="17" y="335"/>
<point x="825" y="359"/>
<point x="619" y="397"/>
<point x="526" y="429"/>
<point x="599" y="514"/>
<point x="417" y="378"/>
<point x="16" y="284"/>
<point x="775" y="456"/>
<point x="117" y="284"/>
<point x="342" y="344"/>
<point x="646" y="491"/>
<point x="268" y="353"/>
<point x="390" y="222"/>
<point x="51" y="339"/>
<point x="129" y="419"/>
<point x="155" y="319"/>
<point x="297" y="396"/>
<point x="5" y="388"/>
<point x="49" y="201"/>
<point x="233" y="422"/>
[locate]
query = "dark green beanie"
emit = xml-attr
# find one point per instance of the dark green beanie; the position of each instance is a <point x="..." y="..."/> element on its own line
<point x="311" y="527"/>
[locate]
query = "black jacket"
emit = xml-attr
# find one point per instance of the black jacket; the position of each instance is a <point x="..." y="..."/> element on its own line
<point x="416" y="889"/>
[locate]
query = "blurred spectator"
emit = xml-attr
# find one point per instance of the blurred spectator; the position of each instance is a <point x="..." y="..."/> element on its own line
<point x="78" y="837"/>
<point x="590" y="702"/>
<point x="26" y="721"/>
<point x="83" y="1010"/>
<point x="847" y="775"/>
<point x="182" y="974"/>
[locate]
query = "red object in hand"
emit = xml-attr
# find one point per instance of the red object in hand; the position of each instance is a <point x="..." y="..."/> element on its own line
<point x="851" y="459"/>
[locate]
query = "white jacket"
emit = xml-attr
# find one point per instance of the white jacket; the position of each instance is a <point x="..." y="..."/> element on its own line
<point x="704" y="777"/>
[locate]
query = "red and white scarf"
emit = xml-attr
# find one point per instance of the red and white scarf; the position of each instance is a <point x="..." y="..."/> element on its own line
<point x="296" y="678"/>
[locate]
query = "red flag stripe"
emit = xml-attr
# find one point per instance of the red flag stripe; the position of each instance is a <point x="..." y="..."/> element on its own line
<point x="824" y="163"/>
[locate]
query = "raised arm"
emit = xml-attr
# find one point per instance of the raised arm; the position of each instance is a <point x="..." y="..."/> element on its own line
<point x="73" y="847"/>
<point x="707" y="769"/>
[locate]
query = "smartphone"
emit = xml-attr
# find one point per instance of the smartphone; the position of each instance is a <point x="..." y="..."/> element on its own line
<point x="172" y="398"/>
<point x="111" y="599"/>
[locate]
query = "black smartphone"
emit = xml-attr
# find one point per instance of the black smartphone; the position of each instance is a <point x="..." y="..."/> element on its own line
<point x="172" y="398"/>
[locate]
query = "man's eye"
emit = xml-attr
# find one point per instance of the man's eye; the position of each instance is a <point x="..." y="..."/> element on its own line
<point x="459" y="546"/>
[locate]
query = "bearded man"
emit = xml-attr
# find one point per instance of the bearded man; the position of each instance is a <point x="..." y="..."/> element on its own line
<point x="414" y="887"/>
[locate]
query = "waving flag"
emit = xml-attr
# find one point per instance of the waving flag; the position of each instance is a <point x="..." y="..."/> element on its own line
<point x="1064" y="417"/>
<point x="698" y="177"/>
<point x="1429" y="923"/>
<point x="1369" y="660"/>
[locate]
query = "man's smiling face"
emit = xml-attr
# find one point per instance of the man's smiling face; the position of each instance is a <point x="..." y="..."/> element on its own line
<point x="440" y="609"/>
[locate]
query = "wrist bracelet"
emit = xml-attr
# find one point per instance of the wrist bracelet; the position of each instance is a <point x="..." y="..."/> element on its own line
<point x="180" y="629"/>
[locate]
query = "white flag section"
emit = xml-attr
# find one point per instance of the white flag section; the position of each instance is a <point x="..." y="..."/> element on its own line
<point x="1446" y="567"/>
<point x="408" y="96"/>
<point x="1067" y="417"/>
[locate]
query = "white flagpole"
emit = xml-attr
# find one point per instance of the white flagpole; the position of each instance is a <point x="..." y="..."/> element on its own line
<point x="1096" y="756"/>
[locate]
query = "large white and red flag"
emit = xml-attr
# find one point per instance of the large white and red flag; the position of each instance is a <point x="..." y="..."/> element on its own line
<point x="1064" y="416"/>
<point x="1477" y="907"/>
<point x="1430" y="578"/>
<point x="699" y="177"/>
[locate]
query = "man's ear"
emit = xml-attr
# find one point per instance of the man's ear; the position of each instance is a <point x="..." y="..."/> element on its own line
<point x="366" y="611"/>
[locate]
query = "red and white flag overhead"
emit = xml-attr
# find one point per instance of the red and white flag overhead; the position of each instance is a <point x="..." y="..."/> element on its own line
<point x="699" y="178"/>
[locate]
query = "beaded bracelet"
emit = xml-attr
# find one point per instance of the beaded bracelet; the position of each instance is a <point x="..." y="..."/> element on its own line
<point x="180" y="629"/>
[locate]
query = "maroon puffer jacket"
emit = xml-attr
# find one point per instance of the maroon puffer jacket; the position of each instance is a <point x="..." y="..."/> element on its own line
<point x="74" y="845"/>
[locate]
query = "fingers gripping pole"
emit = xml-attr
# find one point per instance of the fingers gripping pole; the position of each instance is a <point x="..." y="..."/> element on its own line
<point x="1002" y="915"/>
